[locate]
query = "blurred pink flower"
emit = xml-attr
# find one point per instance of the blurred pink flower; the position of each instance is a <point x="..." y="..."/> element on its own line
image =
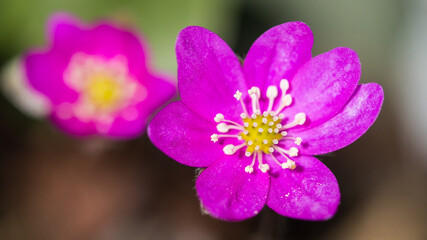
<point x="258" y="147"/>
<point x="97" y="78"/>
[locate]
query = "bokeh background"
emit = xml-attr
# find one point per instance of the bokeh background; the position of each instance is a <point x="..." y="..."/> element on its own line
<point x="56" y="187"/>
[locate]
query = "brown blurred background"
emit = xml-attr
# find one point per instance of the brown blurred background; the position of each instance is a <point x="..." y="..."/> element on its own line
<point x="56" y="187"/>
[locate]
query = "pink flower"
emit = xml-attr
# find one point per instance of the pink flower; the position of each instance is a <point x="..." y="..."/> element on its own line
<point x="256" y="127"/>
<point x="96" y="78"/>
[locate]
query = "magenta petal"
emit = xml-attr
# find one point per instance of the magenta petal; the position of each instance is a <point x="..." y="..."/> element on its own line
<point x="309" y="192"/>
<point x="229" y="193"/>
<point x="209" y="74"/>
<point x="74" y="126"/>
<point x="184" y="136"/>
<point x="348" y="125"/>
<point x="161" y="88"/>
<point x="109" y="41"/>
<point x="64" y="31"/>
<point x="104" y="39"/>
<point x="277" y="54"/>
<point x="324" y="84"/>
<point x="123" y="128"/>
<point x="45" y="74"/>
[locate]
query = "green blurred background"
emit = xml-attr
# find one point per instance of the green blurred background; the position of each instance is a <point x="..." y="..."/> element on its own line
<point x="56" y="187"/>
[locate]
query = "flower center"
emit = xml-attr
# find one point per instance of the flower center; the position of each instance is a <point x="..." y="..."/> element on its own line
<point x="103" y="91"/>
<point x="105" y="87"/>
<point x="262" y="133"/>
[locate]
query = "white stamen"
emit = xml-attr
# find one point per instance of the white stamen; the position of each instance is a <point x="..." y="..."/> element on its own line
<point x="289" y="164"/>
<point x="238" y="95"/>
<point x="272" y="92"/>
<point x="257" y="147"/>
<point x="300" y="119"/>
<point x="270" y="124"/>
<point x="223" y="127"/>
<point x="254" y="124"/>
<point x="281" y="116"/>
<point x="271" y="149"/>
<point x="271" y="95"/>
<point x="232" y="122"/>
<point x="250" y="168"/>
<point x="260" y="130"/>
<point x="257" y="91"/>
<point x="243" y="115"/>
<point x="276" y="130"/>
<point x="263" y="167"/>
<point x="214" y="138"/>
<point x="284" y="133"/>
<point x="246" y="124"/>
<point x="285" y="101"/>
<point x="293" y="152"/>
<point x="264" y="120"/>
<point x="219" y="117"/>
<point x="298" y="141"/>
<point x="270" y="130"/>
<point x="229" y="149"/>
<point x="253" y="115"/>
<point x="265" y="113"/>
<point x="275" y="118"/>
<point x="284" y="86"/>
<point x="275" y="141"/>
<point x="250" y="142"/>
<point x="247" y="154"/>
<point x="265" y="141"/>
<point x="246" y="132"/>
<point x="279" y="125"/>
<point x="254" y="93"/>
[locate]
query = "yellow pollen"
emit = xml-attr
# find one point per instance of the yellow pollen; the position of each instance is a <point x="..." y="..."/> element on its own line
<point x="258" y="138"/>
<point x="103" y="91"/>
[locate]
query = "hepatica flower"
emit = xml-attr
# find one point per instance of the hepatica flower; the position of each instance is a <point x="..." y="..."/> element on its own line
<point x="96" y="78"/>
<point x="256" y="127"/>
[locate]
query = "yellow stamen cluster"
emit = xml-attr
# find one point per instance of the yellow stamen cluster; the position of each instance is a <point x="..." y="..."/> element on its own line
<point x="103" y="91"/>
<point x="261" y="133"/>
